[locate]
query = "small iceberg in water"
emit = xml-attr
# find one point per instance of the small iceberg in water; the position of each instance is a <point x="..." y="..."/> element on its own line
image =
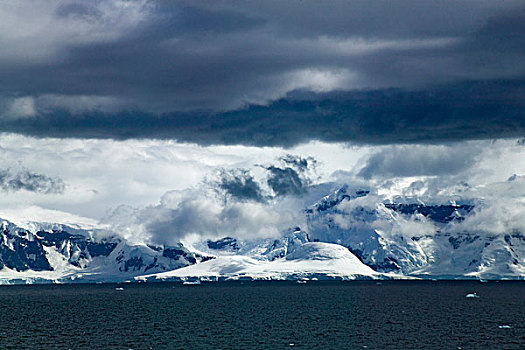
<point x="119" y="288"/>
<point x="471" y="295"/>
<point x="301" y="282"/>
<point x="189" y="283"/>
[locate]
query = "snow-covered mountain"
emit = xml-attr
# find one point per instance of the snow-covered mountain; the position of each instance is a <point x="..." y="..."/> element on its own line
<point x="415" y="239"/>
<point x="307" y="261"/>
<point x="351" y="233"/>
<point x="51" y="253"/>
<point x="293" y="256"/>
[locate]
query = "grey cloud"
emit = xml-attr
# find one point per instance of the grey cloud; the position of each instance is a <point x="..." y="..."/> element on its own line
<point x="292" y="178"/>
<point x="255" y="210"/>
<point x="403" y="161"/>
<point x="475" y="110"/>
<point x="240" y="184"/>
<point x="192" y="20"/>
<point x="173" y="224"/>
<point x="81" y="10"/>
<point x="285" y="181"/>
<point x="201" y="213"/>
<point x="181" y="53"/>
<point x="30" y="181"/>
<point x="289" y="178"/>
<point x="453" y="68"/>
<point x="301" y="164"/>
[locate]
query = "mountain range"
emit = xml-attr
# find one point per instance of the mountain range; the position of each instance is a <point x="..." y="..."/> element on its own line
<point x="349" y="234"/>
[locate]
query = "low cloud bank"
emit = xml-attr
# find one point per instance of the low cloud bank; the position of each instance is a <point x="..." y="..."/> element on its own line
<point x="266" y="200"/>
<point x="235" y="204"/>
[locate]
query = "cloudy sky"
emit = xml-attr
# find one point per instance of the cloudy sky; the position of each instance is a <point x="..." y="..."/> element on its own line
<point x="128" y="110"/>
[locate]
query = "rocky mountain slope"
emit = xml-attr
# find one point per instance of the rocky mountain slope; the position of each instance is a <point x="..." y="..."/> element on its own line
<point x="56" y="255"/>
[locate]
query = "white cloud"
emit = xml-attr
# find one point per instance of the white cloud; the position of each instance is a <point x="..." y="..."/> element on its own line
<point x="319" y="80"/>
<point x="104" y="174"/>
<point x="498" y="215"/>
<point x="39" y="31"/>
<point x="166" y="187"/>
<point x="21" y="107"/>
<point x="205" y="213"/>
<point x="360" y="46"/>
<point x="201" y="212"/>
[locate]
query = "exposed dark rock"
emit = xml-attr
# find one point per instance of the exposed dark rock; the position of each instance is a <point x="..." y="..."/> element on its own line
<point x="439" y="213"/>
<point x="226" y="243"/>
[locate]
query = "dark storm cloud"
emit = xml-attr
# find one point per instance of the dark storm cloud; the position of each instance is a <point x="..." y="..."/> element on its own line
<point x="29" y="181"/>
<point x="291" y="178"/>
<point x="285" y="181"/>
<point x="240" y="184"/>
<point x="466" y="111"/>
<point x="408" y="71"/>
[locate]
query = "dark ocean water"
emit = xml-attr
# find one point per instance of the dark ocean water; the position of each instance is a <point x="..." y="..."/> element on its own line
<point x="265" y="315"/>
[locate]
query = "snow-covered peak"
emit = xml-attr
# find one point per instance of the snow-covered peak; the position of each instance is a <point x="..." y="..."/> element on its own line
<point x="335" y="198"/>
<point x="35" y="219"/>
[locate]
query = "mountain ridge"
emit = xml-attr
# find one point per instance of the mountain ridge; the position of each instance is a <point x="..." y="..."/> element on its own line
<point x="351" y="233"/>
